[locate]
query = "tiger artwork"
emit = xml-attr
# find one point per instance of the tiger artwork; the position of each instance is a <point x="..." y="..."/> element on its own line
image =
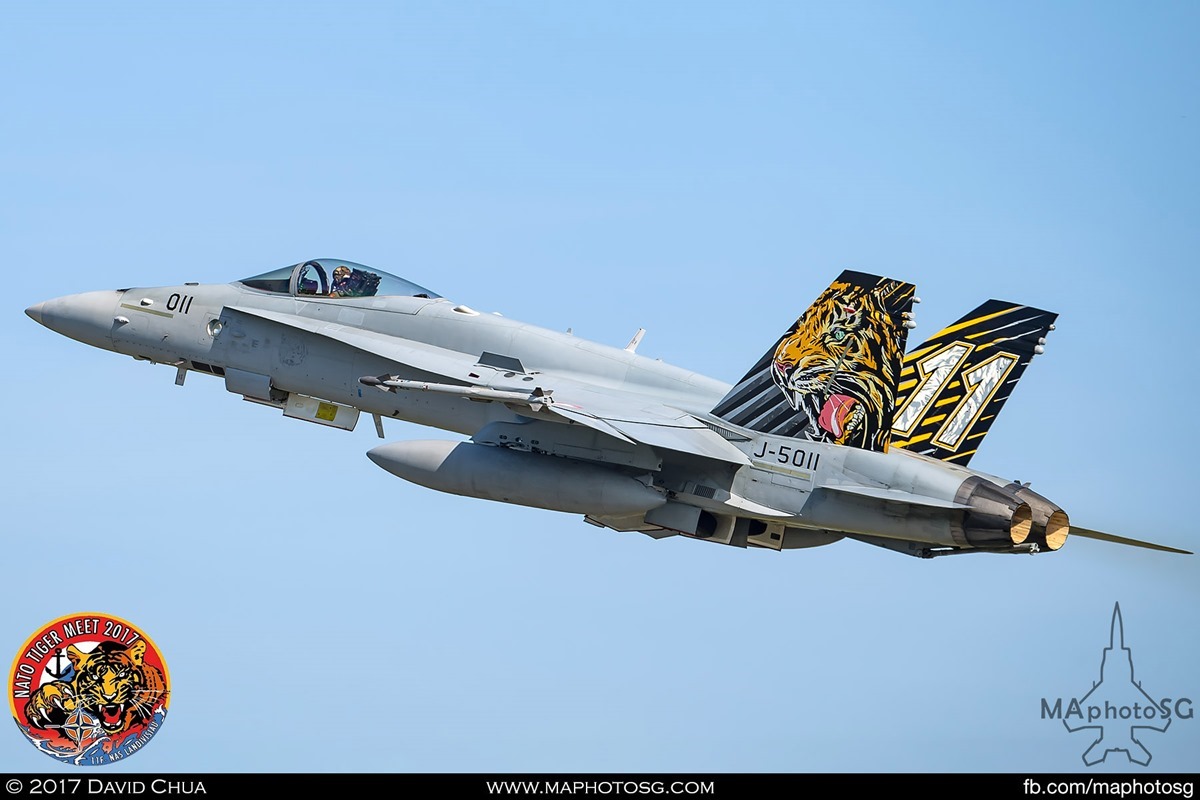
<point x="89" y="689"/>
<point x="112" y="683"/>
<point x="831" y="377"/>
<point x="839" y="363"/>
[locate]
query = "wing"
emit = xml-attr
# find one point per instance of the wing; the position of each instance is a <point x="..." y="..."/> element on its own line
<point x="621" y="416"/>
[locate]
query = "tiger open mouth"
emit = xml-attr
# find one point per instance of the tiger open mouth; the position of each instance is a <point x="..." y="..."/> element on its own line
<point x="838" y="413"/>
<point x="111" y="716"/>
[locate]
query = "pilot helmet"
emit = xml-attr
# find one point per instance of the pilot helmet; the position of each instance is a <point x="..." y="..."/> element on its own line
<point x="341" y="273"/>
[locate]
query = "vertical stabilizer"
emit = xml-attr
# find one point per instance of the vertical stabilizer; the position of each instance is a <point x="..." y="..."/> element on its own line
<point x="832" y="376"/>
<point x="953" y="386"/>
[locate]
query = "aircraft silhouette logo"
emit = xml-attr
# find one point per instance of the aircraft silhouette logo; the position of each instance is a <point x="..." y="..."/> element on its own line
<point x="1120" y="702"/>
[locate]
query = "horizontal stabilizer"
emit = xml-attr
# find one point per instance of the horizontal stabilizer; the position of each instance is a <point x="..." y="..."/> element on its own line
<point x="1108" y="537"/>
<point x="642" y="420"/>
<point x="757" y="509"/>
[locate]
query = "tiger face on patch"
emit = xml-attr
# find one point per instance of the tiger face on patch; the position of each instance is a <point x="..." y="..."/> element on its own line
<point x="839" y="363"/>
<point x="89" y="689"/>
<point x="116" y="685"/>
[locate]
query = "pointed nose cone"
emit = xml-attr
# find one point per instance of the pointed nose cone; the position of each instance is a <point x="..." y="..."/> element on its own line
<point x="87" y="317"/>
<point x="35" y="313"/>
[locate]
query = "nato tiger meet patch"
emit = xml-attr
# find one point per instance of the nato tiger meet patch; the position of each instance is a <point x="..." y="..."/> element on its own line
<point x="89" y="689"/>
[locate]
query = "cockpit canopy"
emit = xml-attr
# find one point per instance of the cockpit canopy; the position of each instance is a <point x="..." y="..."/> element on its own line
<point x="332" y="277"/>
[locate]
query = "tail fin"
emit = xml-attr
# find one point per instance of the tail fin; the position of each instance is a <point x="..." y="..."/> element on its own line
<point x="953" y="386"/>
<point x="832" y="376"/>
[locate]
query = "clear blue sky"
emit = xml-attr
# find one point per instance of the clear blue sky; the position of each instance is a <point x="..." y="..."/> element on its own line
<point x="700" y="169"/>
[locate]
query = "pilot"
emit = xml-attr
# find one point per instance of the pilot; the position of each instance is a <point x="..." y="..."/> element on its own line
<point x="341" y="282"/>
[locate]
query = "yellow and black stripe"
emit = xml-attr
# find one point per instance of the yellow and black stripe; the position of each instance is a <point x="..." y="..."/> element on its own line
<point x="953" y="386"/>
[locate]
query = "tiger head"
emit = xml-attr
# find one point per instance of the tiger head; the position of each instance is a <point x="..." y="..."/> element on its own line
<point x="115" y="685"/>
<point x="840" y="363"/>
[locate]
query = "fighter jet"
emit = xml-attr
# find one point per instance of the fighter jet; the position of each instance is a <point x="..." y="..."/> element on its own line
<point x="832" y="434"/>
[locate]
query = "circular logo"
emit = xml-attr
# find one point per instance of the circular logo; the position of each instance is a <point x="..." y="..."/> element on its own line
<point x="89" y="689"/>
